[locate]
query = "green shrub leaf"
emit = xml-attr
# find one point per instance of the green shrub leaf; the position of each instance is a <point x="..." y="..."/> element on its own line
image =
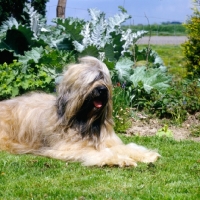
<point x="151" y="78"/>
<point x="124" y="69"/>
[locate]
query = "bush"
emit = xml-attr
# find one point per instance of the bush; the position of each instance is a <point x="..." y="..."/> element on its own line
<point x="192" y="46"/>
<point x="14" y="80"/>
<point x="175" y="103"/>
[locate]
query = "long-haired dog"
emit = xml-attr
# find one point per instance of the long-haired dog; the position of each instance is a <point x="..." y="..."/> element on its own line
<point x="74" y="126"/>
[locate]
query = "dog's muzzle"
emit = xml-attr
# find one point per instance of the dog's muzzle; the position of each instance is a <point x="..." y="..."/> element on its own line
<point x="100" y="96"/>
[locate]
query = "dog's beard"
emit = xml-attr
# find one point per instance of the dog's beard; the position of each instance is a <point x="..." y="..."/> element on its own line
<point x="87" y="121"/>
<point x="89" y="118"/>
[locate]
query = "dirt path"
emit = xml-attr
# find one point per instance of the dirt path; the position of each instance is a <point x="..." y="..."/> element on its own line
<point x="149" y="127"/>
<point x="162" y="40"/>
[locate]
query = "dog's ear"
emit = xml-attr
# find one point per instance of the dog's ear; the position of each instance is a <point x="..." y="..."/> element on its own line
<point x="61" y="104"/>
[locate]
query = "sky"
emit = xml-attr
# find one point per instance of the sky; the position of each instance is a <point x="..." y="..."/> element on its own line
<point x="157" y="11"/>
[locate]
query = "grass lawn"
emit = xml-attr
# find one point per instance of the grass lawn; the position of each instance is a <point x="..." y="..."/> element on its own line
<point x="173" y="58"/>
<point x="175" y="176"/>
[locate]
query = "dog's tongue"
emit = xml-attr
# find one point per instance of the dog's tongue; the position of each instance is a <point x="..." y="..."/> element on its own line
<point x="97" y="103"/>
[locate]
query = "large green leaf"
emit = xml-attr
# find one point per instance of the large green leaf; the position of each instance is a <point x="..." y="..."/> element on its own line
<point x="151" y="78"/>
<point x="105" y="34"/>
<point x="90" y="50"/>
<point x="9" y="24"/>
<point x="18" y="39"/>
<point x="34" y="54"/>
<point x="117" y="44"/>
<point x="124" y="69"/>
<point x="36" y="21"/>
<point x="109" y="52"/>
<point x="130" y="38"/>
<point x="116" y="21"/>
<point x="96" y="15"/>
<point x="72" y="26"/>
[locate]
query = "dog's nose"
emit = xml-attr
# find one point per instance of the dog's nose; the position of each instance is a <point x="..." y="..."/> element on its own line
<point x="102" y="89"/>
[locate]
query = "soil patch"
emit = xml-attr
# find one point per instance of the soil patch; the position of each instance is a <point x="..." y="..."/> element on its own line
<point x="149" y="127"/>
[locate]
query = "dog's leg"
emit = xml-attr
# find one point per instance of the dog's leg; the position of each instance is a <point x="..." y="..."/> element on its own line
<point x="119" y="155"/>
<point x="90" y="157"/>
<point x="136" y="152"/>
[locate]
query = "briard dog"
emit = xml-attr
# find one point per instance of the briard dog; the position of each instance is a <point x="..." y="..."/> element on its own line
<point x="76" y="125"/>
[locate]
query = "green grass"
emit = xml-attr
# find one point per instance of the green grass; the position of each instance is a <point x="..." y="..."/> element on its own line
<point x="173" y="58"/>
<point x="175" y="176"/>
<point x="160" y="29"/>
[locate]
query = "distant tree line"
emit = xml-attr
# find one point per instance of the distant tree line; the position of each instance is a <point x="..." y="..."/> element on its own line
<point x="173" y="22"/>
<point x="160" y="29"/>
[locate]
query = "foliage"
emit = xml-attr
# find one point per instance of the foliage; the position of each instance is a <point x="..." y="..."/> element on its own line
<point x="40" y="6"/>
<point x="152" y="78"/>
<point x="100" y="37"/>
<point x="121" y="110"/>
<point x="195" y="131"/>
<point x="13" y="81"/>
<point x="174" y="176"/>
<point x="123" y="70"/>
<point x="20" y="38"/>
<point x="152" y="89"/>
<point x="192" y="45"/>
<point x="52" y="59"/>
<point x="39" y="69"/>
<point x="153" y="75"/>
<point x="37" y="53"/>
<point x="14" y="8"/>
<point x="9" y="7"/>
<point x="136" y="86"/>
<point x="178" y="100"/>
<point x="164" y="132"/>
<point x="141" y="79"/>
<point x="173" y="58"/>
<point x="175" y="102"/>
<point x="140" y="85"/>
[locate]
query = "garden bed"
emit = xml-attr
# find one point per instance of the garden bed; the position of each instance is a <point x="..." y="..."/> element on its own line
<point x="143" y="126"/>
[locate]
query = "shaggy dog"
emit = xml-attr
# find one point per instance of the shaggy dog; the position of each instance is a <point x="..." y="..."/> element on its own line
<point x="74" y="126"/>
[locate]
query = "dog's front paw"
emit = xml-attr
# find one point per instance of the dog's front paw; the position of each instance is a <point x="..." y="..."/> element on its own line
<point x="142" y="154"/>
<point x="120" y="163"/>
<point x="126" y="162"/>
<point x="150" y="156"/>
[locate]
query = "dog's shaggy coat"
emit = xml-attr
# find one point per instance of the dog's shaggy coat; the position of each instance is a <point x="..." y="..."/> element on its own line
<point x="74" y="126"/>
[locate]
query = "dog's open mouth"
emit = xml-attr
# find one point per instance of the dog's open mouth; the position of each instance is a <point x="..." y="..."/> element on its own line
<point x="100" y="96"/>
<point x="97" y="103"/>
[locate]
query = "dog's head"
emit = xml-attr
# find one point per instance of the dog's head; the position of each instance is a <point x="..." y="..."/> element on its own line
<point x="84" y="97"/>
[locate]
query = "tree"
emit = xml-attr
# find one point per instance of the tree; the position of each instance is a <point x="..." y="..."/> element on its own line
<point x="40" y="6"/>
<point x="192" y="45"/>
<point x="60" y="11"/>
<point x="14" y="8"/>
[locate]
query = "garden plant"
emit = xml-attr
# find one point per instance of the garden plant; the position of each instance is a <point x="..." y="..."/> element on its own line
<point x="33" y="56"/>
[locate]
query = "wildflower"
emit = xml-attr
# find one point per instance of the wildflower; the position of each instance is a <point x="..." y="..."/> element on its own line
<point x="124" y="85"/>
<point x="118" y="84"/>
